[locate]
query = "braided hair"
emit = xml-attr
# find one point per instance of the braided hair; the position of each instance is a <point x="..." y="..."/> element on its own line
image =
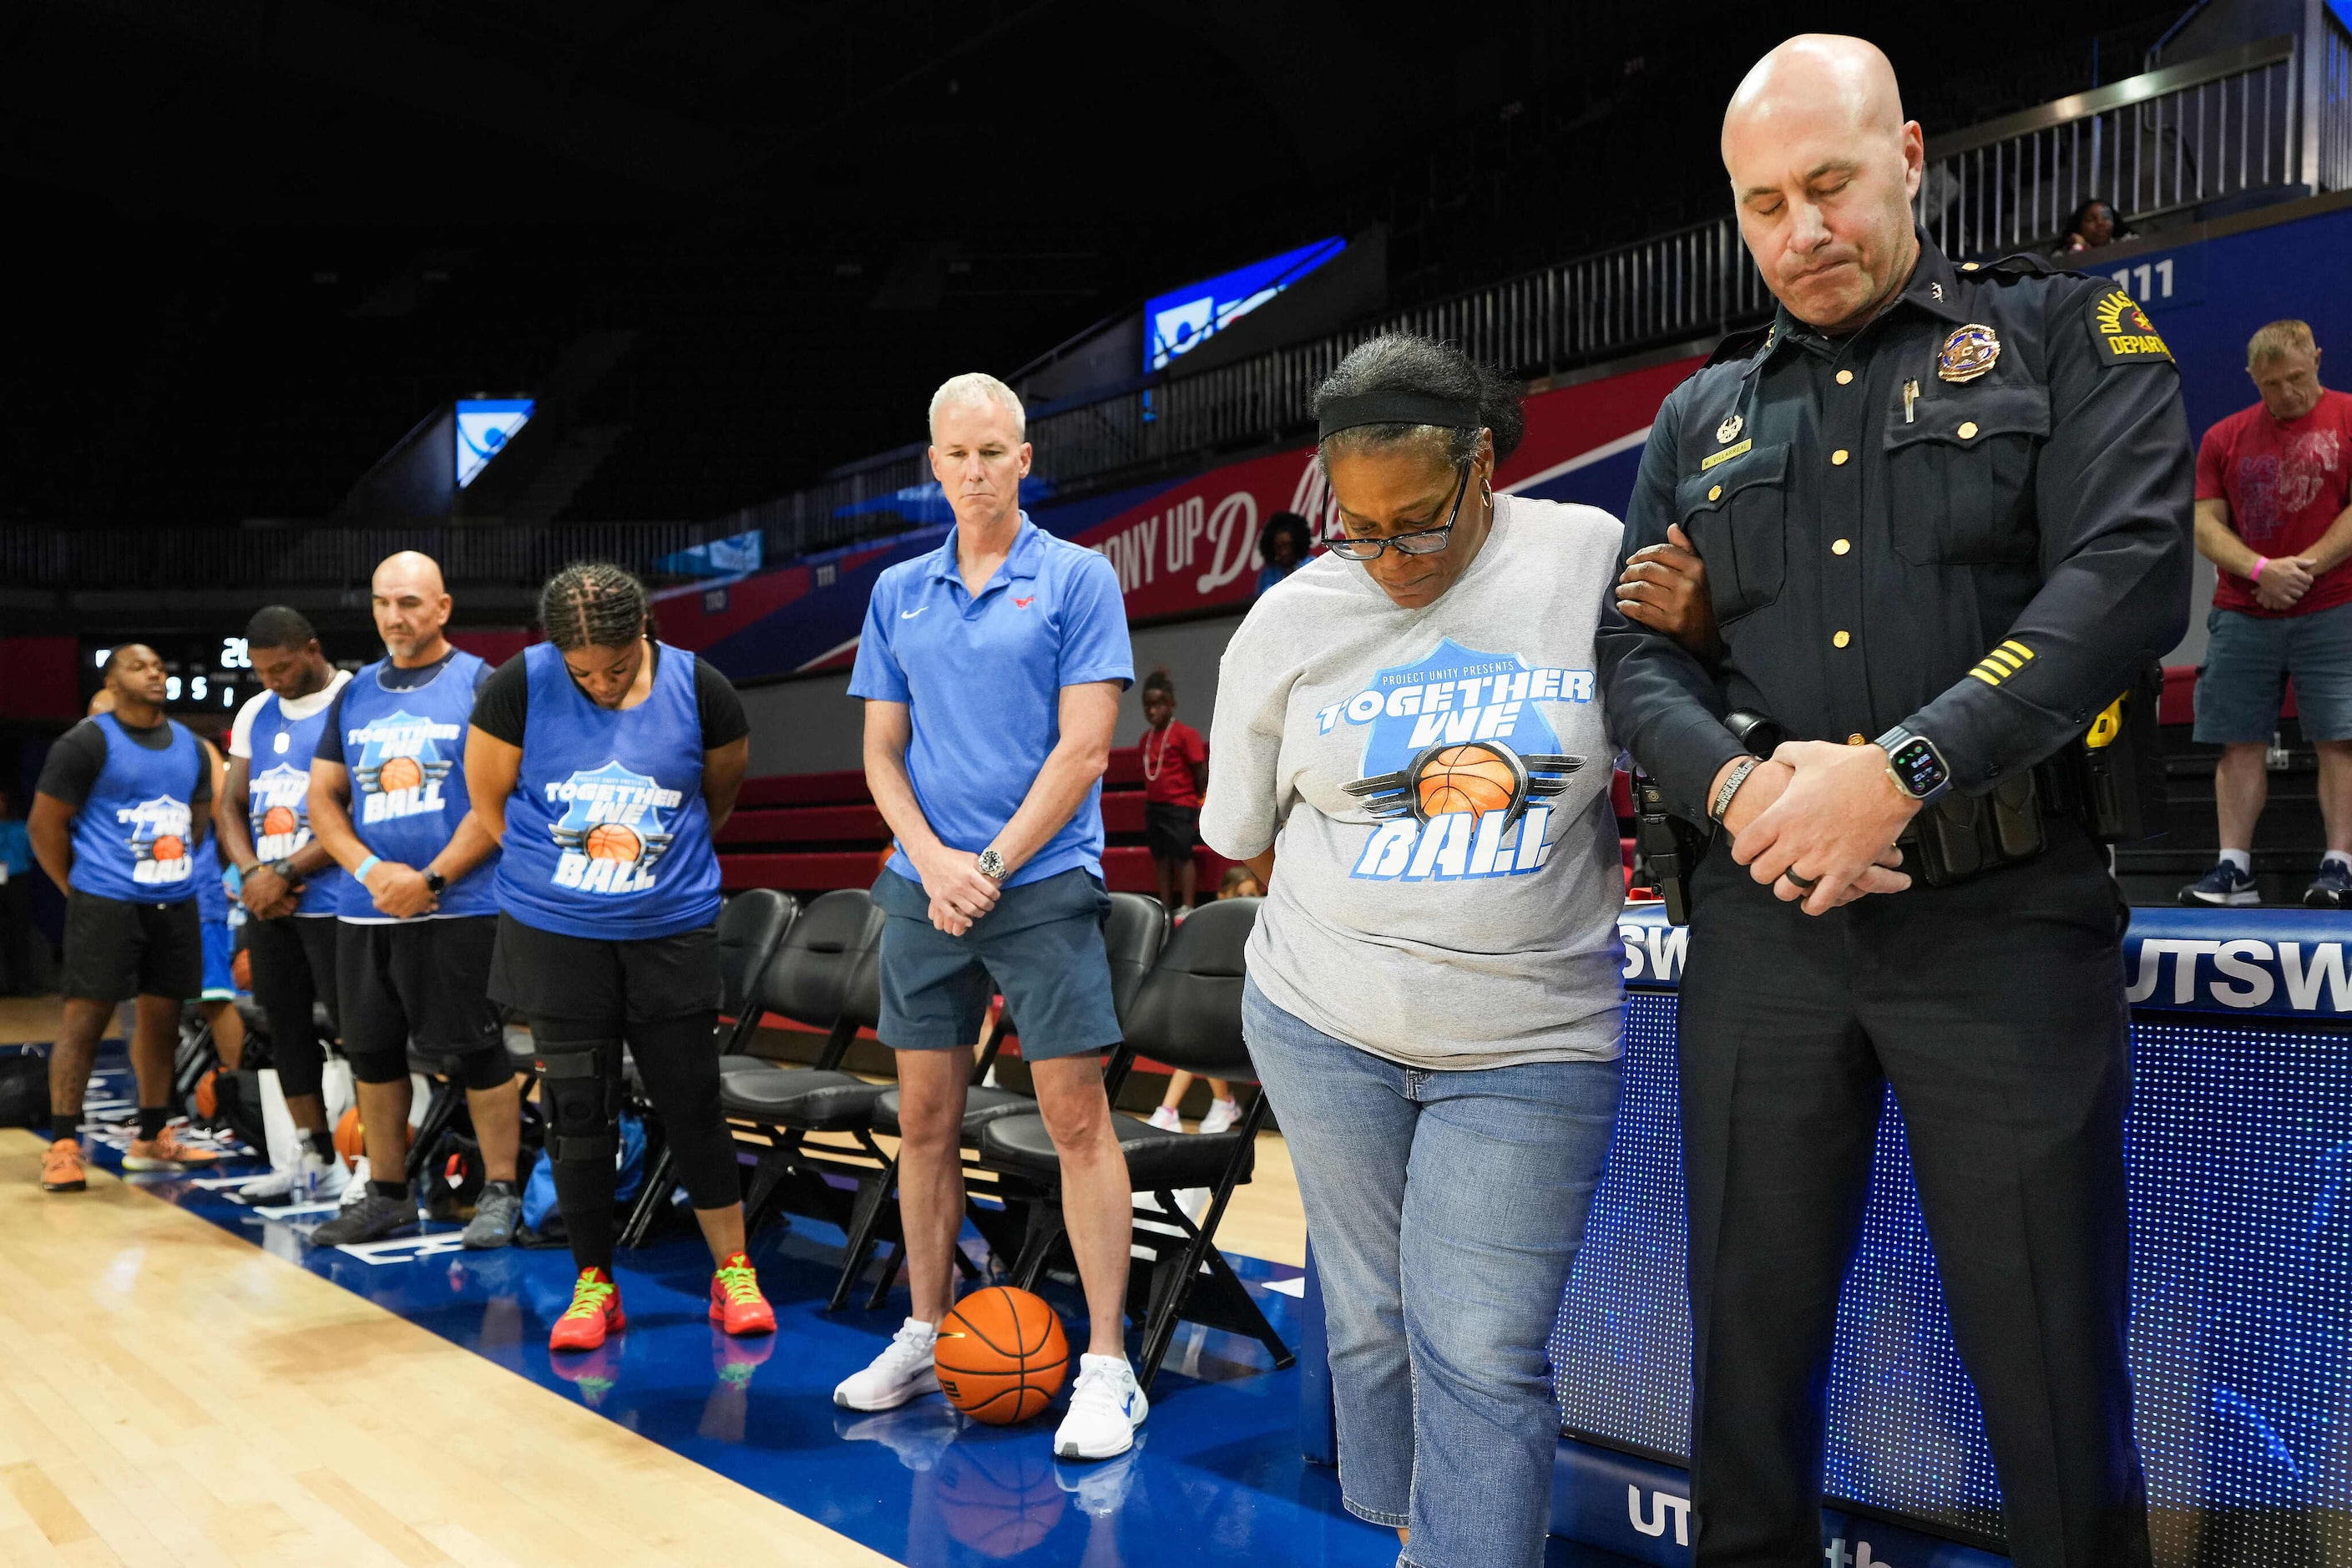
<point x="592" y="603"/>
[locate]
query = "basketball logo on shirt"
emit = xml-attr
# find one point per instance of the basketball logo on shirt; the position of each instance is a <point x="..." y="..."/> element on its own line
<point x="159" y="840"/>
<point x="400" y="768"/>
<point x="1460" y="767"/>
<point x="281" y="812"/>
<point x="612" y="832"/>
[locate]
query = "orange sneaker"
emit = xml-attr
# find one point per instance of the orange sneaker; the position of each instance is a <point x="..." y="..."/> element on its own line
<point x="595" y="1311"/>
<point x="736" y="1304"/>
<point x="166" y="1151"/>
<point x="63" y="1167"/>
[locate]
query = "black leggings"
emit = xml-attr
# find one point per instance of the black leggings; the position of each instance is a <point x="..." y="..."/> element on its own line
<point x="293" y="960"/>
<point x="677" y="1058"/>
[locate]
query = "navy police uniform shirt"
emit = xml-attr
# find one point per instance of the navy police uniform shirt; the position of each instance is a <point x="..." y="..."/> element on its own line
<point x="983" y="679"/>
<point x="1970" y="518"/>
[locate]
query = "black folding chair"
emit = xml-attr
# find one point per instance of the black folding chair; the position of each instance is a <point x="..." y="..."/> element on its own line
<point x="1133" y="935"/>
<point x="752" y="926"/>
<point x="1188" y="1014"/>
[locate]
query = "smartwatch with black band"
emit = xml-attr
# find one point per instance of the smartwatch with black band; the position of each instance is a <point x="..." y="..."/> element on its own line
<point x="435" y="881"/>
<point x="1915" y="765"/>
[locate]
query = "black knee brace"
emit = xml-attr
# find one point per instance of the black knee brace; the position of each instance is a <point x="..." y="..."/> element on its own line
<point x="580" y="1088"/>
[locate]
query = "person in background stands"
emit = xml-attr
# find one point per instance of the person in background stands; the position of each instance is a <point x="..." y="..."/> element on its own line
<point x="2274" y="515"/>
<point x="20" y="974"/>
<point x="1282" y="545"/>
<point x="214" y="880"/>
<point x="1175" y="771"/>
<point x="122" y="806"/>
<point x="287" y="882"/>
<point x="1238" y="882"/>
<point x="991" y="670"/>
<point x="603" y="761"/>
<point x="417" y="919"/>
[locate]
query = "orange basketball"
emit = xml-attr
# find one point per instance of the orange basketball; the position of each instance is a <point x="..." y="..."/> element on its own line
<point x="240" y="970"/>
<point x="1472" y="778"/>
<point x="611" y="841"/>
<point x="1002" y="1355"/>
<point x="208" y="1095"/>
<point x="1000" y="1499"/>
<point x="350" y="1142"/>
<point x="168" y="847"/>
<point x="399" y="773"/>
<point x="279" y="821"/>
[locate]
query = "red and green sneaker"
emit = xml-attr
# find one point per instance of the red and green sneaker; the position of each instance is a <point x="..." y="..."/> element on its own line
<point x="595" y="1311"/>
<point x="736" y="1304"/>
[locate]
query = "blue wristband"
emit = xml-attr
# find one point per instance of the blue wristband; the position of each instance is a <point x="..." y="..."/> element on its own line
<point x="359" y="873"/>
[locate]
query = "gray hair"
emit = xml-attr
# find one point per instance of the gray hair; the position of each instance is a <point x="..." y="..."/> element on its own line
<point x="979" y="386"/>
<point x="1405" y="361"/>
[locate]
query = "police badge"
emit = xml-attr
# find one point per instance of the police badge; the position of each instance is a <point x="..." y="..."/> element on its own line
<point x="1968" y="353"/>
<point x="1729" y="429"/>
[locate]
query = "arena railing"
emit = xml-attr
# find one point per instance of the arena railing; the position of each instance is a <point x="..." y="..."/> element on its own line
<point x="2257" y="119"/>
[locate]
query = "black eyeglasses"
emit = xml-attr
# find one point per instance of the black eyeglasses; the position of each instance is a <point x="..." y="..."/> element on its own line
<point x="1420" y="541"/>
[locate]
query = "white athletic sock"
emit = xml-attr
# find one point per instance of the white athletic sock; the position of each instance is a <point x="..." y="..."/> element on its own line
<point x="2243" y="860"/>
<point x="2341" y="857"/>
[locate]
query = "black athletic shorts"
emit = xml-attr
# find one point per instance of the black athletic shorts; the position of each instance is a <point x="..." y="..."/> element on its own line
<point x="581" y="979"/>
<point x="424" y="980"/>
<point x="116" y="949"/>
<point x="1173" y="832"/>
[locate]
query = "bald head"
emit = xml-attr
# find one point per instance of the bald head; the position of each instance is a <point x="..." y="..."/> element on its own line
<point x="411" y="607"/>
<point x="1824" y="167"/>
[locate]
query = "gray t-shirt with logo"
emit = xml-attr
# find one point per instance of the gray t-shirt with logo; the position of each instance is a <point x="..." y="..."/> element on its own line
<point x="1447" y="877"/>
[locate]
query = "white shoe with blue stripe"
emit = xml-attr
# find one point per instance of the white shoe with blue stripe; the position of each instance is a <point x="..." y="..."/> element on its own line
<point x="1105" y="1408"/>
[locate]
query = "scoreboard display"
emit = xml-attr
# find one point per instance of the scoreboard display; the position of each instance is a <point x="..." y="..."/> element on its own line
<point x="203" y="675"/>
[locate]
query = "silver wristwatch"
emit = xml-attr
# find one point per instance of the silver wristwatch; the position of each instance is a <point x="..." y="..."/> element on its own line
<point x="992" y="865"/>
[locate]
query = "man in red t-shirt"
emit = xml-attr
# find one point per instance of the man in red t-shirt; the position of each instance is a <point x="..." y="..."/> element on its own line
<point x="2272" y="487"/>
<point x="1175" y="771"/>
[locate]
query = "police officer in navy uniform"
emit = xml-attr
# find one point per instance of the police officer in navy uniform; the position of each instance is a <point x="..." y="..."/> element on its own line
<point x="1944" y="516"/>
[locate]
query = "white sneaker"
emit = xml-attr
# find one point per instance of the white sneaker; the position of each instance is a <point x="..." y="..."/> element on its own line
<point x="1164" y="1117"/>
<point x="1223" y="1113"/>
<point x="312" y="1179"/>
<point x="902" y="1372"/>
<point x="1105" y="1408"/>
<point x="355" y="1186"/>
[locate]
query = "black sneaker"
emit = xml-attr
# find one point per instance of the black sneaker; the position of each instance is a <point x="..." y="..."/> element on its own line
<point x="372" y="1218"/>
<point x="2332" y="889"/>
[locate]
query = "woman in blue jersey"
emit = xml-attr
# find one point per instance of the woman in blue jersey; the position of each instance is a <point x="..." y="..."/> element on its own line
<point x="604" y="761"/>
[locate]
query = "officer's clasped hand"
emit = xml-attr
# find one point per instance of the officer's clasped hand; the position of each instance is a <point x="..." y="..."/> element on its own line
<point x="1829" y="812"/>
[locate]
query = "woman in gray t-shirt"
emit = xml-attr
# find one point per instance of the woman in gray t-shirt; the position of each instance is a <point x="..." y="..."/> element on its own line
<point x="1433" y="1001"/>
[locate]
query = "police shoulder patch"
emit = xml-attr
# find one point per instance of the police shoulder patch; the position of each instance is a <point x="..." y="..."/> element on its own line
<point x="2121" y="331"/>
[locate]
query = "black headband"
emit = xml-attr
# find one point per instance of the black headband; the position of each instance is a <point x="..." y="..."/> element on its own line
<point x="1395" y="408"/>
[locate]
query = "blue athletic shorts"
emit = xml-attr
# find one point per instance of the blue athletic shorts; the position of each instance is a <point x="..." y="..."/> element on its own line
<point x="1042" y="947"/>
<point x="220" y="961"/>
<point x="2247" y="660"/>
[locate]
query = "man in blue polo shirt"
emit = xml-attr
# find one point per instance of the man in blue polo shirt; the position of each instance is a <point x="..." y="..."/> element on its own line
<point x="991" y="670"/>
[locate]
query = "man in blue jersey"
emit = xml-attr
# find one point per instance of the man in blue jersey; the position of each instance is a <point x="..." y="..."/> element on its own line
<point x="417" y="917"/>
<point x="122" y="804"/>
<point x="991" y="670"/>
<point x="289" y="883"/>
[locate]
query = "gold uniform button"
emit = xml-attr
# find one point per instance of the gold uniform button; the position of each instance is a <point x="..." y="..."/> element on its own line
<point x="1855" y="739"/>
<point x="1968" y="266"/>
<point x="1840" y="640"/>
<point x="1846" y="377"/>
<point x="1842" y="546"/>
<point x="1715" y="493"/>
<point x="1967" y="430"/>
<point x="1838" y="458"/>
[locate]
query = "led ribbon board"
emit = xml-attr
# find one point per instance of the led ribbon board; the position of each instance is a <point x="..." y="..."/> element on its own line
<point x="485" y="425"/>
<point x="1177" y="322"/>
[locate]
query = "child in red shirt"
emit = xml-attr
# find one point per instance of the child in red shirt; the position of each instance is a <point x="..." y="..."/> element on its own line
<point x="1175" y="771"/>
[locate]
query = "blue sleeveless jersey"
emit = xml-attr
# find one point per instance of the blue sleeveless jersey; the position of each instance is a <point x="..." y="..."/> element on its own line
<point x="212" y="897"/>
<point x="406" y="753"/>
<point x="131" y="836"/>
<point x="607" y="835"/>
<point x="277" y="796"/>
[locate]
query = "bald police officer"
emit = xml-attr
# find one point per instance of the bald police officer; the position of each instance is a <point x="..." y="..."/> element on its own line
<point x="1944" y="512"/>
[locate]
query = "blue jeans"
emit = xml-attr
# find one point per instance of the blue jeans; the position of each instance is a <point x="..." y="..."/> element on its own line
<point x="1446" y="1208"/>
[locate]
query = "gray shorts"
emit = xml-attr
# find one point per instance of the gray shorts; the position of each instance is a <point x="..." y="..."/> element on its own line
<point x="2250" y="658"/>
<point x="1042" y="947"/>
